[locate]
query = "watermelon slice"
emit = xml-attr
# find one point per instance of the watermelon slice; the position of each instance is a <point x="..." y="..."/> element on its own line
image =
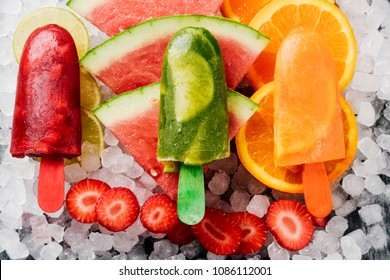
<point x="134" y="57"/>
<point x="114" y="16"/>
<point x="133" y="118"/>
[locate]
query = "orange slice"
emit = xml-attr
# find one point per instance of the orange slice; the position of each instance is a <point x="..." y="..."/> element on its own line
<point x="244" y="10"/>
<point x="255" y="146"/>
<point x="280" y="17"/>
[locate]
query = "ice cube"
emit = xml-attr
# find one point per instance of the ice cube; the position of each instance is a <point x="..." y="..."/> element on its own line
<point x="337" y="225"/>
<point x="365" y="198"/>
<point x="347" y="208"/>
<point x="134" y="171"/>
<point x="109" y="138"/>
<point x="74" y="173"/>
<point x="276" y="252"/>
<point x="311" y="251"/>
<point x="123" y="242"/>
<point x="163" y="249"/>
<point x="122" y="164"/>
<point x="147" y="181"/>
<point x="372" y="43"/>
<point x="361" y="240"/>
<point x="51" y="251"/>
<point x="374" y="184"/>
<point x="377" y="237"/>
<point x="338" y="198"/>
<point x="17" y="251"/>
<point x="243" y="180"/>
<point x="136" y="228"/>
<point x="210" y="198"/>
<point x="301" y="257"/>
<point x="137" y="253"/>
<point x="258" y="205"/>
<point x="371" y="214"/>
<point x="366" y="115"/>
<point x="227" y="165"/>
<point x="191" y="250"/>
<point x="11" y="6"/>
<point x="382" y="65"/>
<point x="353" y="185"/>
<point x="56" y="232"/>
<point x="109" y="156"/>
<point x="86" y="254"/>
<point x="8" y="237"/>
<point x="369" y="147"/>
<point x="67" y="254"/>
<point x="350" y="248"/>
<point x="325" y="242"/>
<point x="100" y="242"/>
<point x="239" y="200"/>
<point x="219" y="183"/>
<point x="178" y="257"/>
<point x="366" y="82"/>
<point x="384" y="141"/>
<point x="364" y="64"/>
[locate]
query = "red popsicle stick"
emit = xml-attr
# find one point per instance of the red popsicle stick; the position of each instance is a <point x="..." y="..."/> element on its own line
<point x="316" y="189"/>
<point x="51" y="183"/>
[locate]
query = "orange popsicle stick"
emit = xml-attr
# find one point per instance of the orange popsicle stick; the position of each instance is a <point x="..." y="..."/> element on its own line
<point x="316" y="189"/>
<point x="51" y="183"/>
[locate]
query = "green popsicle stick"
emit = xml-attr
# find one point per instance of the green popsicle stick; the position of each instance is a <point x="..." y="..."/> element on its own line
<point x="191" y="196"/>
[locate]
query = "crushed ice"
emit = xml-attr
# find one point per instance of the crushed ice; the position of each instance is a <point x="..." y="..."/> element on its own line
<point x="359" y="227"/>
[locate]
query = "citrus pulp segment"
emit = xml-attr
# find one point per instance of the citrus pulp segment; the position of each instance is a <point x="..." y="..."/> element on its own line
<point x="255" y="146"/>
<point x="280" y="17"/>
<point x="46" y="16"/>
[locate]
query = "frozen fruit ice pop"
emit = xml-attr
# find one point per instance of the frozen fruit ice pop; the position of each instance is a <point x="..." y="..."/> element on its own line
<point x="193" y="117"/>
<point x="47" y="107"/>
<point x="47" y="120"/>
<point x="308" y="126"/>
<point x="193" y="122"/>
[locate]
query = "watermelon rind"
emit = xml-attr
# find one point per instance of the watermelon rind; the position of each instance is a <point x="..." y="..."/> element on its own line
<point x="131" y="104"/>
<point x="149" y="32"/>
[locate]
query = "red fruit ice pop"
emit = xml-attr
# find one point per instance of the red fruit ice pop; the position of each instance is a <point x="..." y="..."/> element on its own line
<point x="47" y="120"/>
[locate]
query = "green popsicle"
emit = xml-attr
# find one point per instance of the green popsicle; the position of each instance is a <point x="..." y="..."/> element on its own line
<point x="193" y="123"/>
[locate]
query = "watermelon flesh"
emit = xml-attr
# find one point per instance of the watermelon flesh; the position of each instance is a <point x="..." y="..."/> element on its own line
<point x="114" y="16"/>
<point x="134" y="57"/>
<point x="133" y="118"/>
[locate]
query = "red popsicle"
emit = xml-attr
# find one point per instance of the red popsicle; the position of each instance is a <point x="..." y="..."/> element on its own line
<point x="47" y="120"/>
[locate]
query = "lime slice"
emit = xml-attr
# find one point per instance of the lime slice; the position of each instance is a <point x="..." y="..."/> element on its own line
<point x="92" y="135"/>
<point x="49" y="15"/>
<point x="90" y="96"/>
<point x="194" y="85"/>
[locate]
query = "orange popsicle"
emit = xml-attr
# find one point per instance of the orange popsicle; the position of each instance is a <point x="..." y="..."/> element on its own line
<point x="308" y="126"/>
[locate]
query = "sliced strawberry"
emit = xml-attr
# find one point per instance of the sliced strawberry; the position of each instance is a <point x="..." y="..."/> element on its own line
<point x="290" y="223"/>
<point x="82" y="197"/>
<point x="217" y="232"/>
<point x="180" y="233"/>
<point x="159" y="214"/>
<point x="117" y="209"/>
<point x="320" y="222"/>
<point x="253" y="232"/>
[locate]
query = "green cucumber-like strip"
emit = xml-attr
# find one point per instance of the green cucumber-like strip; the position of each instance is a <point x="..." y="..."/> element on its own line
<point x="150" y="31"/>
<point x="130" y="104"/>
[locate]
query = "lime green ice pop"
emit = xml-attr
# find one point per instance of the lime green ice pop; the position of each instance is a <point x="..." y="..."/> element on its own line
<point x="193" y="123"/>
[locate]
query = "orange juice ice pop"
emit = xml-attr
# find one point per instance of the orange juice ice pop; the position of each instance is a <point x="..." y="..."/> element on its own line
<point x="308" y="128"/>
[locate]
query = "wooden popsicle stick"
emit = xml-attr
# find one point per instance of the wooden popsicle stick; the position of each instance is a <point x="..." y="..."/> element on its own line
<point x="191" y="195"/>
<point x="316" y="189"/>
<point x="51" y="185"/>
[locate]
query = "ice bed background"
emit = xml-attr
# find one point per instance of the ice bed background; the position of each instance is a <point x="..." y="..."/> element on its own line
<point x="360" y="223"/>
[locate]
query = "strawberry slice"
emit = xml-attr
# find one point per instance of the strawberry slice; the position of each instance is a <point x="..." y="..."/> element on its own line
<point x="290" y="223"/>
<point x="82" y="197"/>
<point x="253" y="232"/>
<point x="159" y="214"/>
<point x="117" y="209"/>
<point x="217" y="232"/>
<point x="180" y="233"/>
